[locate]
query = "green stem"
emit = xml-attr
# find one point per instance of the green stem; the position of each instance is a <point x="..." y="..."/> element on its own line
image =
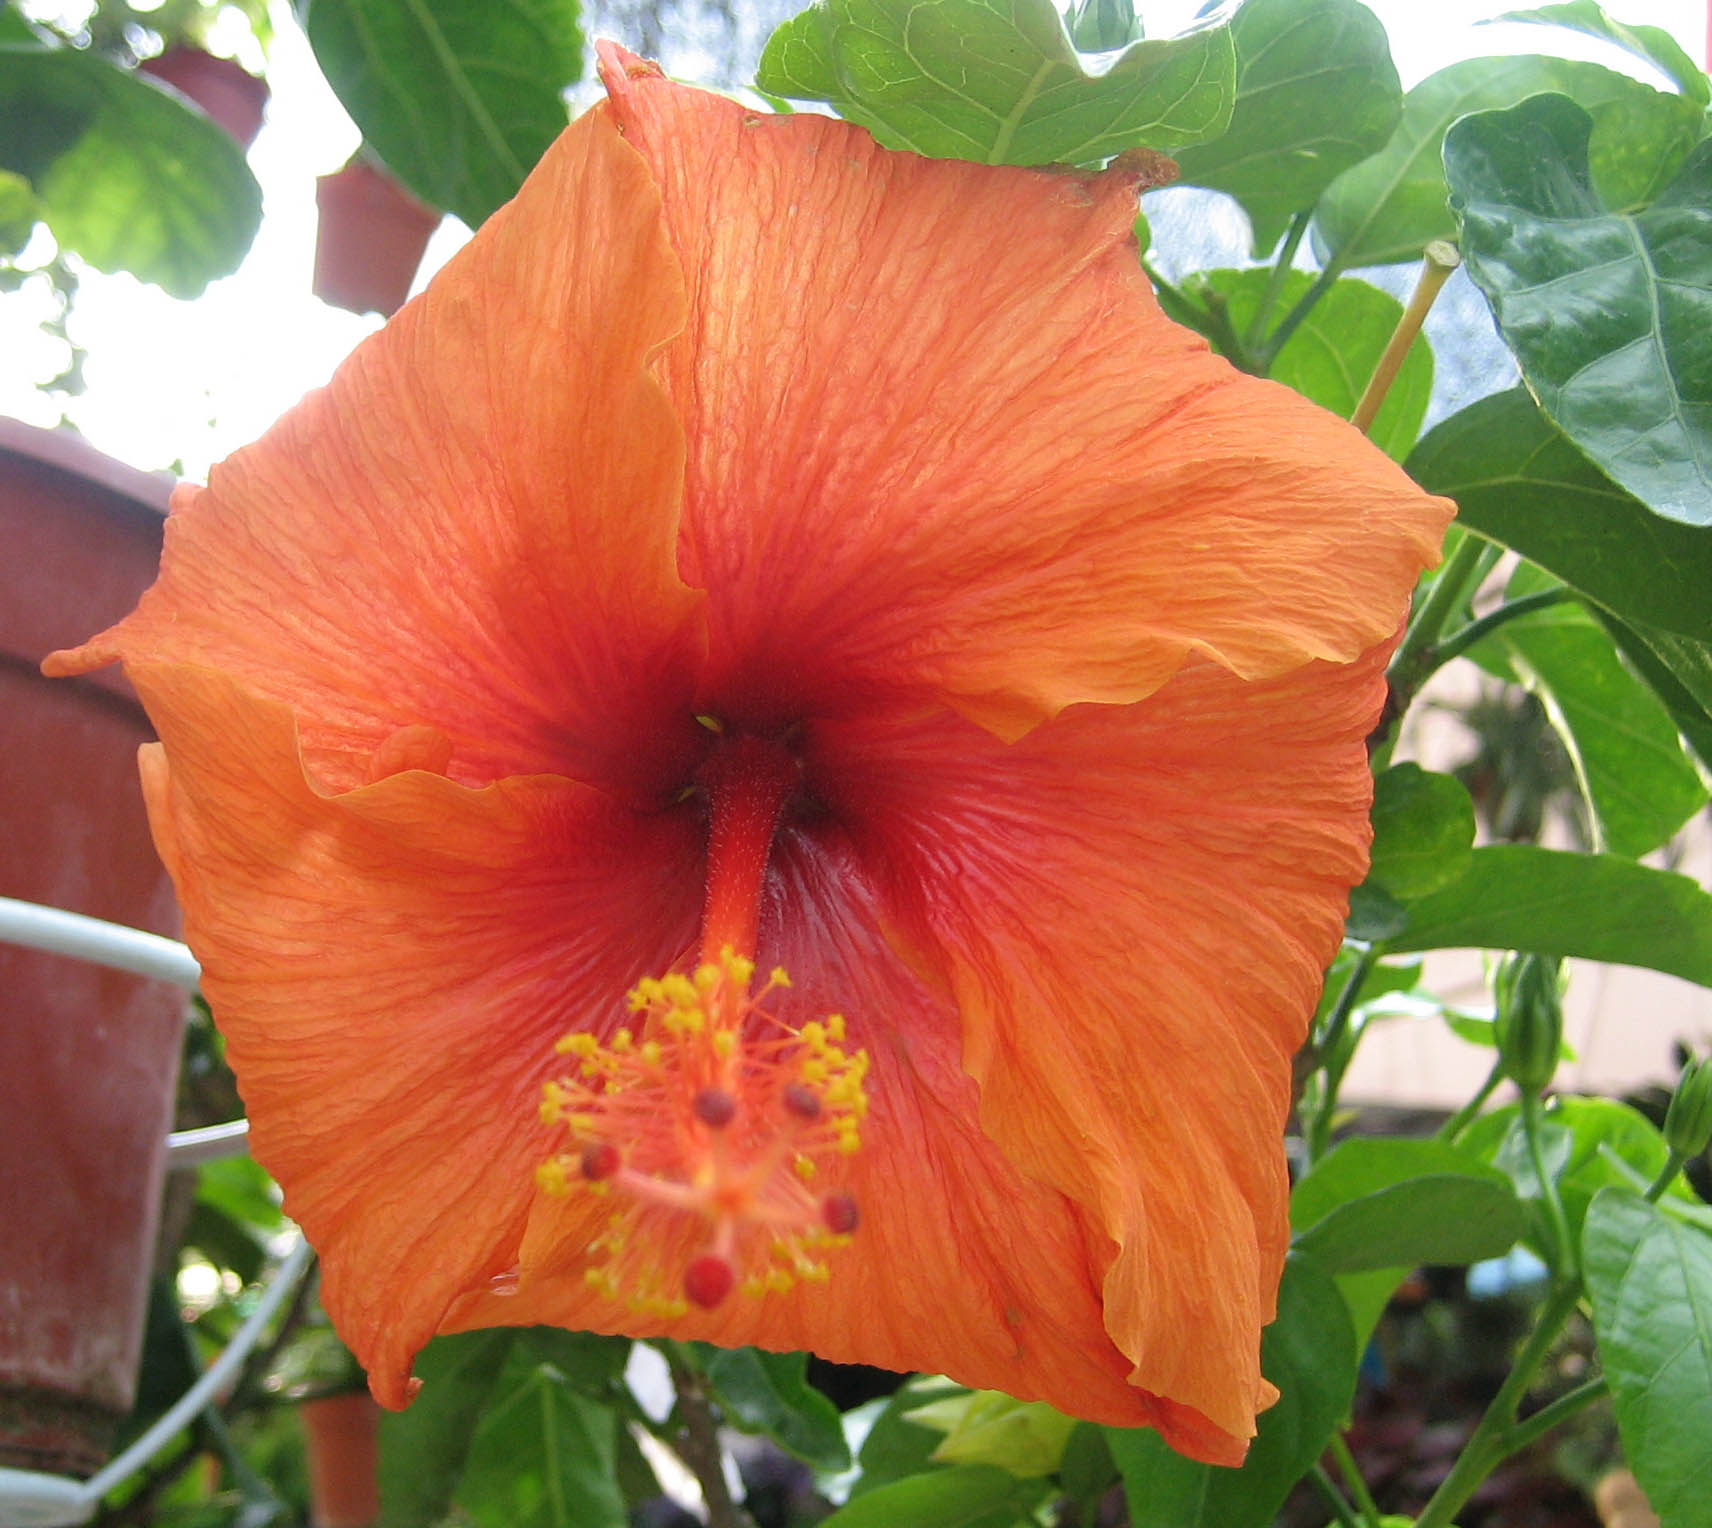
<point x="1548" y="1416"/>
<point x="1437" y="262"/>
<point x="1281" y="268"/>
<point x="1177" y="305"/>
<point x="1458" y="1122"/>
<point x="1488" y="1443"/>
<point x="1352" y="1478"/>
<point x="1265" y="354"/>
<point x="1327" y="1487"/>
<point x="1565" y="1262"/>
<point x="1459" y="642"/>
<point x="1326" y="1048"/>
<point x="1667" y="1175"/>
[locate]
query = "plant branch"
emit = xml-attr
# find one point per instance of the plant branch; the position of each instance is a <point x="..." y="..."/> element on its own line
<point x="1351" y="1472"/>
<point x="1325" y="1053"/>
<point x="1437" y="262"/>
<point x="1489" y="1442"/>
<point x="1265" y="354"/>
<point x="697" y="1444"/>
<point x="1458" y="1122"/>
<point x="1322" y="1482"/>
<point x="1566" y="1262"/>
<point x="1281" y="269"/>
<point x="1459" y="642"/>
<point x="1549" y="1415"/>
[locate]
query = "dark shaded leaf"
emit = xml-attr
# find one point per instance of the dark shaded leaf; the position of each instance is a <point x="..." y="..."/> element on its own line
<point x="1679" y="669"/>
<point x="1309" y="1353"/>
<point x="1610" y="315"/>
<point x="767" y="1393"/>
<point x="1316" y="92"/>
<point x="422" y="1450"/>
<point x="1597" y="906"/>
<point x="998" y="81"/>
<point x="125" y="174"/>
<point x="1650" y="1279"/>
<point x="1517" y="480"/>
<point x="965" y="1496"/>
<point x="458" y="97"/>
<point x="1389" y="207"/>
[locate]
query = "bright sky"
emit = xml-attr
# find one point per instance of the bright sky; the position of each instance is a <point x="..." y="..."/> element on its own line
<point x="190" y="381"/>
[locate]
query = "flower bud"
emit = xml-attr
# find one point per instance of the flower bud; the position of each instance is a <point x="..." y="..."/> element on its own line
<point x="1529" y="1020"/>
<point x="1688" y="1122"/>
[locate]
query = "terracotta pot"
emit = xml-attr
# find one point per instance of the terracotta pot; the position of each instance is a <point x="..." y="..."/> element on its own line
<point x="222" y="87"/>
<point x="342" y="1434"/>
<point x="88" y="1056"/>
<point x="370" y="239"/>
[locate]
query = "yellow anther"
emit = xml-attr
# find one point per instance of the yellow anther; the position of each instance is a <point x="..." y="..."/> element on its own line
<point x="678" y="989"/>
<point x="551" y="1178"/>
<point x="707" y="977"/>
<point x="622" y="1041"/>
<point x="778" y="977"/>
<point x="579" y="1044"/>
<point x="650" y="1052"/>
<point x="814" y="1273"/>
<point x="814" y="1070"/>
<point x="779" y="1281"/>
<point x="739" y="968"/>
<point x="813" y="1034"/>
<point x="835" y="1026"/>
<point x="724" y="1044"/>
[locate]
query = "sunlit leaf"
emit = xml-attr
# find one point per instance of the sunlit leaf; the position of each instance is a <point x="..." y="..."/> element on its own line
<point x="998" y="80"/>
<point x="1653" y="44"/>
<point x="1388" y="208"/>
<point x="1316" y="92"/>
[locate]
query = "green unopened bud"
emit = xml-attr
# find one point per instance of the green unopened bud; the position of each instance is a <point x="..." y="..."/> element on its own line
<point x="1097" y="26"/>
<point x="1027" y="1438"/>
<point x="1529" y="1020"/>
<point x="1688" y="1122"/>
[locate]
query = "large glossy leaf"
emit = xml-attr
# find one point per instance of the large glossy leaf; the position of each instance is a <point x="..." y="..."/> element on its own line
<point x="1653" y="44"/>
<point x="423" y="1449"/>
<point x="544" y="1454"/>
<point x="1389" y="207"/>
<point x="1517" y="480"/>
<point x="1610" y="315"/>
<point x="125" y="174"/>
<point x="1639" y="785"/>
<point x="1316" y="92"/>
<point x="1650" y="1279"/>
<point x="459" y="97"/>
<point x="998" y="80"/>
<point x="1336" y="347"/>
<point x="1597" y="906"/>
<point x="1309" y="1353"/>
<point x="767" y="1393"/>
<point x="1373" y="1204"/>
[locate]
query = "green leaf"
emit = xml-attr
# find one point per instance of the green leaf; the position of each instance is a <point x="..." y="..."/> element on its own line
<point x="1027" y="1438"/>
<point x="458" y="97"/>
<point x="1309" y="1353"/>
<point x="1335" y="350"/>
<point x="1639" y="785"/>
<point x="1316" y="92"/>
<point x="1679" y="669"/>
<point x="1651" y="1284"/>
<point x="1653" y="44"/>
<point x="1593" y="1144"/>
<point x="1516" y="480"/>
<point x="998" y="81"/>
<point x="544" y="1455"/>
<point x="1374" y="1203"/>
<point x="966" y="1496"/>
<point x="591" y="1363"/>
<point x="767" y="1393"/>
<point x="125" y="174"/>
<point x="1597" y="906"/>
<point x="895" y="1446"/>
<point x="1423" y="830"/>
<point x="422" y="1450"/>
<point x="1608" y="314"/>
<point x="1388" y="208"/>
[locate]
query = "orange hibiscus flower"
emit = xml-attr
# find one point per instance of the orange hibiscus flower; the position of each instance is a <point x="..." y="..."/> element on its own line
<point x="760" y="547"/>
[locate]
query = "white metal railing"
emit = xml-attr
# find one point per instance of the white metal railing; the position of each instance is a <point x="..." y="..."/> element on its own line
<point x="28" y="1498"/>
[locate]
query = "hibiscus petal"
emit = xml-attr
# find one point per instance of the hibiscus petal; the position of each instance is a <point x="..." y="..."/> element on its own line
<point x="390" y="968"/>
<point x="472" y="527"/>
<point x="961" y="1264"/>
<point x="939" y="433"/>
<point x="1132" y="909"/>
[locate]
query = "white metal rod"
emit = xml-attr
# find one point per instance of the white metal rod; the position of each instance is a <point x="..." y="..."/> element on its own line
<point x="188" y="1148"/>
<point x="101" y="943"/>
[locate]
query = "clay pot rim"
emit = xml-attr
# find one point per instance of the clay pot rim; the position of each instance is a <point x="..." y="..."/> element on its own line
<point x="72" y="456"/>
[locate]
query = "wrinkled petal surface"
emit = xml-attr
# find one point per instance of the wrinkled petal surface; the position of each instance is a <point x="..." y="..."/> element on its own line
<point x="472" y="528"/>
<point x="940" y="434"/>
<point x="390" y="966"/>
